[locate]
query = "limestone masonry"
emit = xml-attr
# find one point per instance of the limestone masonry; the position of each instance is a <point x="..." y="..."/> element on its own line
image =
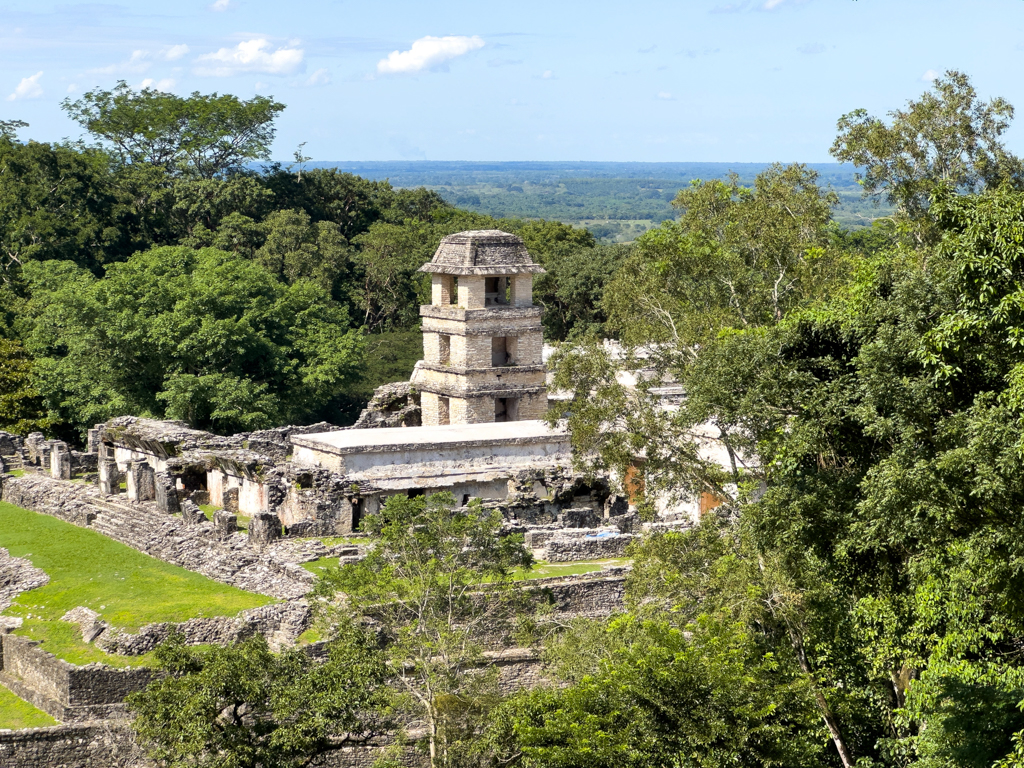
<point x="482" y="337"/>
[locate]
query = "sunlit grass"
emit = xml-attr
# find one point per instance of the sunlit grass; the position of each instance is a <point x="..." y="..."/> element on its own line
<point x="16" y="713"/>
<point x="127" y="588"/>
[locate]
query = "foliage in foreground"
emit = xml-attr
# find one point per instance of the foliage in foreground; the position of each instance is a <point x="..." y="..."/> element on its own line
<point x="242" y="705"/>
<point x="421" y="587"/>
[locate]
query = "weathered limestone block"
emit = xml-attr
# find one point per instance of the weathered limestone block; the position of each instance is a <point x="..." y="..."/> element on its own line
<point x="10" y="444"/>
<point x="3" y="466"/>
<point x="166" y="493"/>
<point x="616" y="505"/>
<point x="225" y="523"/>
<point x="230" y="500"/>
<point x="471" y="292"/>
<point x="60" y="460"/>
<point x="191" y="513"/>
<point x="92" y="440"/>
<point x="583" y="517"/>
<point x="87" y="620"/>
<point x="34" y="445"/>
<point x="141" y="482"/>
<point x="200" y="497"/>
<point x="264" y="528"/>
<point x="110" y="477"/>
<point x="522" y="290"/>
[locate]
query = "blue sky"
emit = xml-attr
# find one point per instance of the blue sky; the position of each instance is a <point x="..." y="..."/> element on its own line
<point x="686" y="80"/>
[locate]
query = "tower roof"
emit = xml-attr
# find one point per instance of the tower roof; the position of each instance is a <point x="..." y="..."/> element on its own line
<point x="482" y="252"/>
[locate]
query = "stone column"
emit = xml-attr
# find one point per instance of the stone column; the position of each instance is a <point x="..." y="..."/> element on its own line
<point x="60" y="460"/>
<point x="230" y="500"/>
<point x="141" y="482"/>
<point x="264" y="528"/>
<point x="224" y="522"/>
<point x="191" y="513"/>
<point x="34" y="446"/>
<point x="166" y="494"/>
<point x="92" y="440"/>
<point x="110" y="477"/>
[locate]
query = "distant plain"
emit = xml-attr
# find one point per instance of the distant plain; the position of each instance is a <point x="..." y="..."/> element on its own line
<point x="616" y="201"/>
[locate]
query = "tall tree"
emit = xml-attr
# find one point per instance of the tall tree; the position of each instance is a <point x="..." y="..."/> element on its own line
<point x="202" y="135"/>
<point x="947" y="138"/>
<point x="438" y="583"/>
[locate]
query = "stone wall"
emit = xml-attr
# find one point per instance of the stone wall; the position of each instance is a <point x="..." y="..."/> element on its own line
<point x="591" y="595"/>
<point x="62" y="690"/>
<point x="566" y="550"/>
<point x="17" y="575"/>
<point x="100" y="744"/>
<point x="85" y="745"/>
<point x="279" y="623"/>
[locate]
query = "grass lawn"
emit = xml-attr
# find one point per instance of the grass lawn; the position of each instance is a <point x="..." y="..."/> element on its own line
<point x="16" y="713"/>
<point x="127" y="588"/>
<point x="209" y="510"/>
<point x="16" y="473"/>
<point x="543" y="570"/>
<point x="316" y="567"/>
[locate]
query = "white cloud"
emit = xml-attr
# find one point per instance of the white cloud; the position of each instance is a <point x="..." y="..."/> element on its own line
<point x="251" y="56"/>
<point x="73" y="87"/>
<point x="547" y="75"/>
<point x="137" y="63"/>
<point x="320" y="77"/>
<point x="174" y="52"/>
<point x="161" y="85"/>
<point x="665" y="95"/>
<point x="930" y="75"/>
<point x="28" y="88"/>
<point x="427" y="53"/>
<point x="772" y="4"/>
<point x="220" y="5"/>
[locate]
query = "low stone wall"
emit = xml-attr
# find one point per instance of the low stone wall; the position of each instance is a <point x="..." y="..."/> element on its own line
<point x="567" y="550"/>
<point x="591" y="595"/>
<point x="62" y="690"/>
<point x="85" y="745"/>
<point x="102" y="745"/>
<point x="17" y="575"/>
<point x="280" y="623"/>
<point x="61" y="500"/>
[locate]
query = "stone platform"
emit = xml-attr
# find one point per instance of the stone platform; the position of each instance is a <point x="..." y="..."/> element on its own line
<point x="467" y="459"/>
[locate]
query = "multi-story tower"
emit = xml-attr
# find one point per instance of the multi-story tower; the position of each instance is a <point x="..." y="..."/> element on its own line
<point x="482" y="337"/>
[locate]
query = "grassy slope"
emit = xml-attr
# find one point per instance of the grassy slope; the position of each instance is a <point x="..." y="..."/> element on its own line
<point x="128" y="589"/>
<point x="16" y="713"/>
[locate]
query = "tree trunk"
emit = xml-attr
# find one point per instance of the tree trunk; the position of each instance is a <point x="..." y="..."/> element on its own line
<point x="831" y="722"/>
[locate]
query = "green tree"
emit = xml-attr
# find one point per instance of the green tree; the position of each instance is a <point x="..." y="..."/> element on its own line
<point x="947" y="138"/>
<point x="737" y="257"/>
<point x="202" y="135"/>
<point x="423" y="585"/>
<point x="245" y="707"/>
<point x="206" y="336"/>
<point x="57" y="202"/>
<point x="21" y="408"/>
<point x="663" y="697"/>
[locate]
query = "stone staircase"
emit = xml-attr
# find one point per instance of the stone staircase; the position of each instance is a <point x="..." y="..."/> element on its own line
<point x="13" y="463"/>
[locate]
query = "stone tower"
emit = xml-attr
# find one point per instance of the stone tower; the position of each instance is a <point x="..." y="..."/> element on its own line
<point x="482" y="337"/>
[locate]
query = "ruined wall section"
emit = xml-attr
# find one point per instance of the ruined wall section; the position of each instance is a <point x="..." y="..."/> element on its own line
<point x="62" y="690"/>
